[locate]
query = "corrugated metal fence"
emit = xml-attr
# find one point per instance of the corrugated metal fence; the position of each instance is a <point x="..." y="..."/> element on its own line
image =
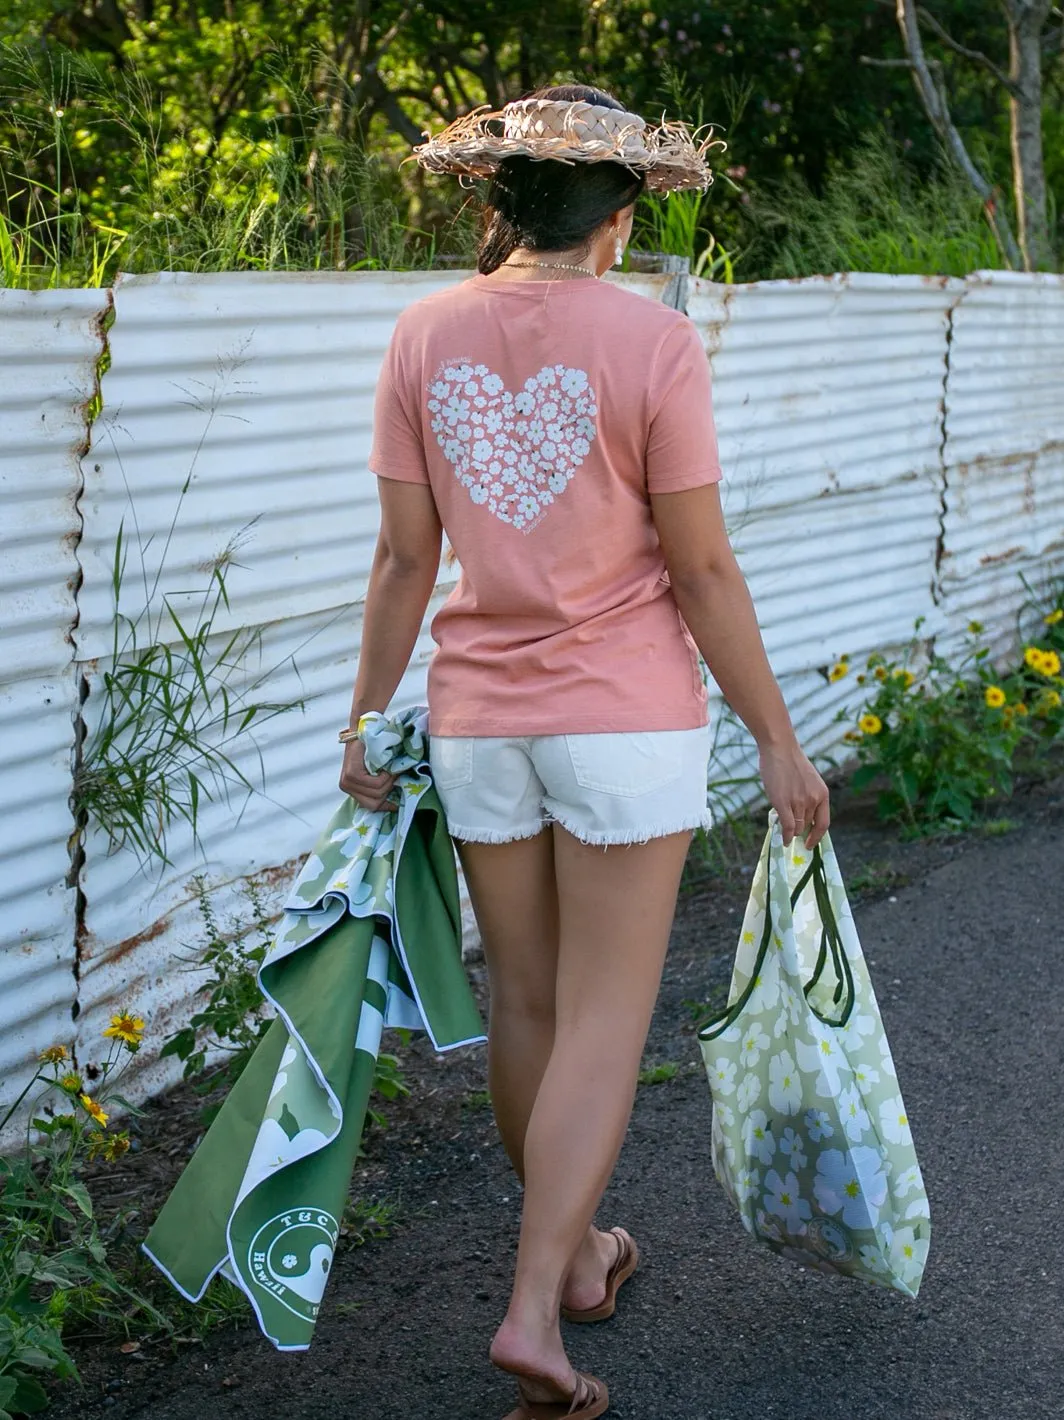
<point x="893" y="448"/>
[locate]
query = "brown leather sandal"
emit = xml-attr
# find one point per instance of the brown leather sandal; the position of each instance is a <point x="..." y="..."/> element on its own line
<point x="589" y="1399"/>
<point x="626" y="1262"/>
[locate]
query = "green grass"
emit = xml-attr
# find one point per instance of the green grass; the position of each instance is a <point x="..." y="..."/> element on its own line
<point x="659" y="1074"/>
<point x="875" y="214"/>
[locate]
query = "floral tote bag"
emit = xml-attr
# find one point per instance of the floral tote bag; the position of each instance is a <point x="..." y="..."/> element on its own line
<point x="810" y="1136"/>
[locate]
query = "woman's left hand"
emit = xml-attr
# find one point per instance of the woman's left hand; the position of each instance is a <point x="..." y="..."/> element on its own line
<point x="371" y="791"/>
<point x="796" y="791"/>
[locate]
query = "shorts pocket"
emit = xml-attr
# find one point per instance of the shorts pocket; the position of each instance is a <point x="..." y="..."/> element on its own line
<point x="626" y="764"/>
<point x="451" y="761"/>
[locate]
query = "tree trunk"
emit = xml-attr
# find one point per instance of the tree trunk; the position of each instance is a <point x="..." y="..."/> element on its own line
<point x="936" y="107"/>
<point x="1027" y="21"/>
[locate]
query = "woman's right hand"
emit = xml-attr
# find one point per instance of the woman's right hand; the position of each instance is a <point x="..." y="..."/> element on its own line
<point x="371" y="791"/>
<point x="796" y="791"/>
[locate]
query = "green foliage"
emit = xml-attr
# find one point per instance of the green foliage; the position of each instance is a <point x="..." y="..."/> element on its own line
<point x="233" y="1018"/>
<point x="54" y="1259"/>
<point x="368" y="1220"/>
<point x="875" y="213"/>
<point x="175" y="698"/>
<point x="659" y="1074"/>
<point x="946" y="738"/>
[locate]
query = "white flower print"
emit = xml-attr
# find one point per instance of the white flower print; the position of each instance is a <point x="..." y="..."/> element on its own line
<point x="790" y="1010"/>
<point x="289" y="1259"/>
<point x="852" y="1182"/>
<point x="872" y="1259"/>
<point x="757" y="1136"/>
<point x="853" y="1113"/>
<point x="909" y="1181"/>
<point x="785" y="1085"/>
<point x="725" y="1114"/>
<point x="754" y="1042"/>
<point x="894" y="1121"/>
<point x="791" y="1145"/>
<point x="865" y="1075"/>
<point x="749" y="1090"/>
<point x="823" y="1058"/>
<point x="722" y="1076"/>
<point x="784" y="1200"/>
<point x="540" y="429"/>
<point x="818" y="1124"/>
<point x="747" y="1183"/>
<point x="908" y="1254"/>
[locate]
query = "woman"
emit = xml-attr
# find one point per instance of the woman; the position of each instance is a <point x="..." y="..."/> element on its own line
<point x="559" y="430"/>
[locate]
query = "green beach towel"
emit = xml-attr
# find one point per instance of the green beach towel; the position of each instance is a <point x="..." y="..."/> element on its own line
<point x="370" y="937"/>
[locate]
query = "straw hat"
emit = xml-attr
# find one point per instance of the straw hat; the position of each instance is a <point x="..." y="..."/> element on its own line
<point x="670" y="154"/>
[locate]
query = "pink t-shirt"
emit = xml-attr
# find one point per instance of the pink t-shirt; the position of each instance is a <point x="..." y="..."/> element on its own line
<point x="543" y="414"/>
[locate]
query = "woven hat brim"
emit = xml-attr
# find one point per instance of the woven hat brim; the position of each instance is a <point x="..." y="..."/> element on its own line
<point x="670" y="154"/>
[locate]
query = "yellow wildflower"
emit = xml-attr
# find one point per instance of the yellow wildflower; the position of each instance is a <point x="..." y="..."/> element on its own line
<point x="1006" y="714"/>
<point x="53" y="1055"/>
<point x="1051" y="618"/>
<point x="1019" y="708"/>
<point x="839" y="669"/>
<point x="72" y="1083"/>
<point x="108" y="1146"/>
<point x="1032" y="656"/>
<point x="126" y="1027"/>
<point x="94" y="1109"/>
<point x="881" y="672"/>
<point x="870" y="724"/>
<point x="1049" y="665"/>
<point x="1048" y="700"/>
<point x="994" y="697"/>
<point x="975" y="628"/>
<point x="905" y="676"/>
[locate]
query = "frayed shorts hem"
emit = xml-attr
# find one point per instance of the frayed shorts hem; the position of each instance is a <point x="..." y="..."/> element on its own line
<point x="605" y="838"/>
<point x="494" y="835"/>
<point x="618" y="837"/>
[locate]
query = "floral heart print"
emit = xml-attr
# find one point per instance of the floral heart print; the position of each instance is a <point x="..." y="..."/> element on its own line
<point x="516" y="453"/>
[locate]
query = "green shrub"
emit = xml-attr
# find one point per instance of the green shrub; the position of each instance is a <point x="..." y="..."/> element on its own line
<point x="54" y="1262"/>
<point x="946" y="737"/>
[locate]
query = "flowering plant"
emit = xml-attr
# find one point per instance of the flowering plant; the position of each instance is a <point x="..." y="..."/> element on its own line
<point x="51" y="1248"/>
<point x="945" y="737"/>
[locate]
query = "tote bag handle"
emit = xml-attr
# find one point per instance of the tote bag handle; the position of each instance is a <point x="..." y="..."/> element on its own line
<point x="836" y="1010"/>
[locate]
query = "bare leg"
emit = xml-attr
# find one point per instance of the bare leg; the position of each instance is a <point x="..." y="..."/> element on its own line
<point x="515" y="897"/>
<point x="615" y="910"/>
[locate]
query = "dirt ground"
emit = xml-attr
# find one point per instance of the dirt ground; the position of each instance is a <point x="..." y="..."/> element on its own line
<point x="964" y="940"/>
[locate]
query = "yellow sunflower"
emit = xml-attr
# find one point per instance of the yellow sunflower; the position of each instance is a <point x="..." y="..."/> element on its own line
<point x="94" y="1109"/>
<point x="126" y="1027"/>
<point x="53" y="1055"/>
<point x="869" y="724"/>
<point x="905" y="676"/>
<point x="994" y="696"/>
<point x="839" y="669"/>
<point x="1051" y="618"/>
<point x="1049" y="664"/>
<point x="1032" y="656"/>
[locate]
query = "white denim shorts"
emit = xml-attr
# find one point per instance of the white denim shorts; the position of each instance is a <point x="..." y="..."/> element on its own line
<point x="608" y="788"/>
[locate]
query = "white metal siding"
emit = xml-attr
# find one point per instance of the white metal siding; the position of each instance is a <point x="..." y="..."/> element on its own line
<point x="49" y="345"/>
<point x="1004" y="450"/>
<point x="892" y="448"/>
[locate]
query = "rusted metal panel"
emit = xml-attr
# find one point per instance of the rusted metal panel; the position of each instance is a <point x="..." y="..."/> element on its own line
<point x="1003" y="505"/>
<point x="49" y="344"/>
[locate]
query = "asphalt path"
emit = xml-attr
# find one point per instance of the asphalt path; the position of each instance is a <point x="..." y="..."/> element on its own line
<point x="969" y="969"/>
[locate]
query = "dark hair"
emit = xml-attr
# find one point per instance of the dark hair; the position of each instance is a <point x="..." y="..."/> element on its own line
<point x="548" y="205"/>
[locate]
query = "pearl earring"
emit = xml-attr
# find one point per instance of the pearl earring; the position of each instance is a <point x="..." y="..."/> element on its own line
<point x="618" y="252"/>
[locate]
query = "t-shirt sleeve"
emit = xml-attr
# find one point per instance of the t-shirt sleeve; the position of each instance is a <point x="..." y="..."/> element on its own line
<point x="681" y="448"/>
<point x="398" y="447"/>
